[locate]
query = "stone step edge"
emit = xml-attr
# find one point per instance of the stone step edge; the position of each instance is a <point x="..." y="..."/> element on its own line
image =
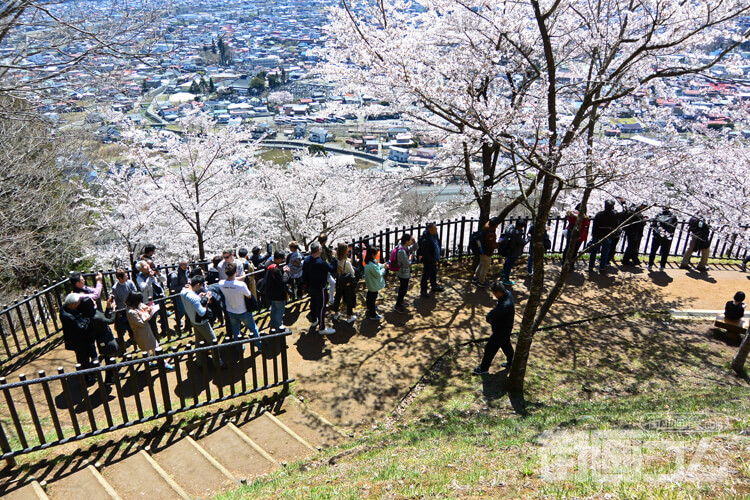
<point x="695" y="313"/>
<point x="217" y="465"/>
<point x="247" y="439"/>
<point x="166" y="477"/>
<point x="320" y="417"/>
<point x="39" y="490"/>
<point x="289" y="431"/>
<point x="103" y="483"/>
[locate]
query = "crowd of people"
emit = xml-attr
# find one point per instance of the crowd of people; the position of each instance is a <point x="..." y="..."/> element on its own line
<point x="234" y="286"/>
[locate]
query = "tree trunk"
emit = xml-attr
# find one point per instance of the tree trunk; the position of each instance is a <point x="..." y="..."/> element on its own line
<point x="738" y="363"/>
<point x="526" y="334"/>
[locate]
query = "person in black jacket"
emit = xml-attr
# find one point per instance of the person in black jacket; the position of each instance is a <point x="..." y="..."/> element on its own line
<point x="101" y="331"/>
<point x="501" y="318"/>
<point x="511" y="247"/>
<point x="700" y="241"/>
<point x="605" y="222"/>
<point x="177" y="280"/>
<point x="735" y="309"/>
<point x="275" y="288"/>
<point x="635" y="221"/>
<point x="77" y="333"/>
<point x="315" y="273"/>
<point x="663" y="226"/>
<point x="429" y="251"/>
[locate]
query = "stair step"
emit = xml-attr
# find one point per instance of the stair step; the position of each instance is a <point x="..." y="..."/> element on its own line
<point x="276" y="439"/>
<point x="85" y="483"/>
<point x="236" y="454"/>
<point x="31" y="491"/>
<point x="137" y="478"/>
<point x="199" y="475"/>
<point x="308" y="425"/>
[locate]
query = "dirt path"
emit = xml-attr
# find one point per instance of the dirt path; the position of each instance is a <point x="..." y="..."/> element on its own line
<point x="357" y="374"/>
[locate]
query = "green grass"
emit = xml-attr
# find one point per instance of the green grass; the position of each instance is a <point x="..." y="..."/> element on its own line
<point x="460" y="450"/>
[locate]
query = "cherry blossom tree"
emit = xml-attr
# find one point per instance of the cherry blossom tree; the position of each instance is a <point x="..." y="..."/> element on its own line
<point x="200" y="181"/>
<point x="525" y="86"/>
<point x="318" y="194"/>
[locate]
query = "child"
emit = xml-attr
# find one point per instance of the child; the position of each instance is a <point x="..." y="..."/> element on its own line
<point x="734" y="310"/>
<point x="374" y="280"/>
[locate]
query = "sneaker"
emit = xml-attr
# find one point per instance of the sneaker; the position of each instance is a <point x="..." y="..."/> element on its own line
<point x="483" y="284"/>
<point x="377" y="317"/>
<point x="352" y="319"/>
<point x="650" y="266"/>
<point x="474" y="281"/>
<point x="702" y="269"/>
<point x="686" y="266"/>
<point x="399" y="309"/>
<point x="424" y="295"/>
<point x="661" y="269"/>
<point x="314" y="323"/>
<point x="438" y="288"/>
<point x="508" y="282"/>
<point x="336" y="316"/>
<point x="478" y="371"/>
<point x="327" y="331"/>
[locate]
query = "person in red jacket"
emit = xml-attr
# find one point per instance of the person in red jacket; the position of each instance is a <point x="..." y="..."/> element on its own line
<point x="572" y="218"/>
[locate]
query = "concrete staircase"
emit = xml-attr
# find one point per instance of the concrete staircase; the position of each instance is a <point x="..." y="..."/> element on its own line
<point x="196" y="462"/>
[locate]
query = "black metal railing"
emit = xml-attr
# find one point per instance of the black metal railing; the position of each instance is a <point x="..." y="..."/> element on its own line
<point x="52" y="410"/>
<point x="28" y="322"/>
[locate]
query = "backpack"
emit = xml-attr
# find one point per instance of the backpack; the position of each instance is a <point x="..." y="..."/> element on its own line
<point x="474" y="241"/>
<point x="504" y="247"/>
<point x="393" y="261"/>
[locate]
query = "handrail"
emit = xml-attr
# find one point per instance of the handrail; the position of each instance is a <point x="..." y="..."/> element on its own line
<point x="33" y="319"/>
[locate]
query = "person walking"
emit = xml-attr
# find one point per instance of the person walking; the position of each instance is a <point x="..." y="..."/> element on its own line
<point x="663" y="225"/>
<point x="315" y="273"/>
<point x="501" y="319"/>
<point x="511" y="246"/>
<point x="429" y="253"/>
<point x="196" y="310"/>
<point x="634" y="224"/>
<point x="400" y="262"/>
<point x="605" y="222"/>
<point x="346" y="284"/>
<point x="700" y="241"/>
<point x="483" y="243"/>
<point x="374" y="281"/>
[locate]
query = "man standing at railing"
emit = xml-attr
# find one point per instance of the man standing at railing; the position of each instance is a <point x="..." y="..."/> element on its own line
<point x="120" y="292"/>
<point x="239" y="303"/>
<point x="429" y="251"/>
<point x="195" y="310"/>
<point x="315" y="273"/>
<point x="149" y="285"/>
<point x="635" y="222"/>
<point x="179" y="279"/>
<point x="700" y="234"/>
<point x="664" y="225"/>
<point x="77" y="333"/>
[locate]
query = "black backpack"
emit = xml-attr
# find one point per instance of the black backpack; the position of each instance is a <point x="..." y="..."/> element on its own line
<point x="474" y="240"/>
